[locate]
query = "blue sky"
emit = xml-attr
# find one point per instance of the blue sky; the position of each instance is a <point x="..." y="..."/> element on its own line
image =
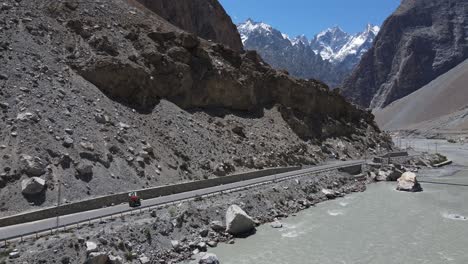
<point x="296" y="17"/>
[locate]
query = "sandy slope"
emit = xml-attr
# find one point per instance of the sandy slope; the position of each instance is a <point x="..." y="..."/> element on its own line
<point x="438" y="105"/>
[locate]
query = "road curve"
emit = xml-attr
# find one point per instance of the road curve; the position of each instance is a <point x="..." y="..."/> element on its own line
<point x="15" y="231"/>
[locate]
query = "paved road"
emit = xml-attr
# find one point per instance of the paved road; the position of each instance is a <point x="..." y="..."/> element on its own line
<point x="46" y="224"/>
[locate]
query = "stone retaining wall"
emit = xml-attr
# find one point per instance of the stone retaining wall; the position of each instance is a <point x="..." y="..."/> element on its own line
<point x="105" y="201"/>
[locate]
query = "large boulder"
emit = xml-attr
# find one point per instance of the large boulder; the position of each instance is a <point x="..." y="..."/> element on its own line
<point x="238" y="222"/>
<point x="32" y="166"/>
<point x="408" y="183"/>
<point x="32" y="186"/>
<point x="84" y="170"/>
<point x="209" y="258"/>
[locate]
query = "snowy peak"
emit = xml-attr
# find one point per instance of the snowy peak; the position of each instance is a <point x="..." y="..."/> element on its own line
<point x="251" y="28"/>
<point x="336" y="45"/>
<point x="373" y="29"/>
<point x="330" y="55"/>
<point x="300" y="40"/>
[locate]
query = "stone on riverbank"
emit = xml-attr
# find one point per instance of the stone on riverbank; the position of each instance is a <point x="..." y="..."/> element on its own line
<point x="209" y="258"/>
<point x="238" y="222"/>
<point x="276" y="224"/>
<point x="408" y="183"/>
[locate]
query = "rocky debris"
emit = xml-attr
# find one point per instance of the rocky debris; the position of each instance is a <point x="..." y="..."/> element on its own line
<point x="87" y="145"/>
<point x="32" y="166"/>
<point x="91" y="247"/>
<point x="84" y="170"/>
<point x="331" y="194"/>
<point x="382" y="175"/>
<point x="238" y="130"/>
<point x="217" y="226"/>
<point x="115" y="260"/>
<point x="144" y="259"/>
<point x="97" y="258"/>
<point x="212" y="244"/>
<point x="238" y="222"/>
<point x="14" y="254"/>
<point x="408" y="183"/>
<point x="176" y="245"/>
<point x="68" y="142"/>
<point x="388" y="175"/>
<point x="209" y="258"/>
<point x="32" y="186"/>
<point x="276" y="224"/>
<point x="26" y="116"/>
<point x="101" y="118"/>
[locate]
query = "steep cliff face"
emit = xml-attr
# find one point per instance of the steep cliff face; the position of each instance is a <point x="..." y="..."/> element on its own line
<point x="206" y="18"/>
<point x="420" y="41"/>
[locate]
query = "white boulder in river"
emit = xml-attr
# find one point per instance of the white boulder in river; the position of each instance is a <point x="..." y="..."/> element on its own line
<point x="408" y="183"/>
<point x="238" y="222"/>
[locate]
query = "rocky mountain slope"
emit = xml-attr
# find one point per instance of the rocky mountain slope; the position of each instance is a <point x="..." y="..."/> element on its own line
<point x="206" y="18"/>
<point x="439" y="107"/>
<point x="102" y="102"/>
<point x="420" y="41"/>
<point x="329" y="56"/>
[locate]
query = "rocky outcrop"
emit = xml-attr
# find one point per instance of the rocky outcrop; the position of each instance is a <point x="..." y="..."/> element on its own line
<point x="408" y="183"/>
<point x="32" y="186"/>
<point x="238" y="222"/>
<point x="420" y="41"/>
<point x="206" y="18"/>
<point x="211" y="75"/>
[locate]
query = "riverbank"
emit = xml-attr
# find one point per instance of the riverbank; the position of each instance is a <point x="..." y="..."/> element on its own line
<point x="176" y="233"/>
<point x="180" y="232"/>
<point x="380" y="225"/>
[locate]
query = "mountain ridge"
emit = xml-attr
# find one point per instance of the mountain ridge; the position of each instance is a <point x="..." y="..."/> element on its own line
<point x="329" y="56"/>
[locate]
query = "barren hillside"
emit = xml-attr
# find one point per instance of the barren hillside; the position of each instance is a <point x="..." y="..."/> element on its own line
<point x="106" y="96"/>
<point x="432" y="104"/>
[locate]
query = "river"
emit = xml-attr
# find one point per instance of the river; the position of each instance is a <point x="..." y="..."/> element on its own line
<point x="380" y="225"/>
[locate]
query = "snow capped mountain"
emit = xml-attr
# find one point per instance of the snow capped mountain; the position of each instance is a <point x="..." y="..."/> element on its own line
<point x="336" y="45"/>
<point x="249" y="28"/>
<point x="328" y="42"/>
<point x="300" y="40"/>
<point x="329" y="56"/>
